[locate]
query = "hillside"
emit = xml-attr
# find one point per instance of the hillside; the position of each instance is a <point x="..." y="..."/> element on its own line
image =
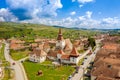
<point x="31" y="31"/>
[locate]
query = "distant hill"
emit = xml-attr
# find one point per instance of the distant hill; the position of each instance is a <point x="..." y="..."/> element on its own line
<point x="31" y="31"/>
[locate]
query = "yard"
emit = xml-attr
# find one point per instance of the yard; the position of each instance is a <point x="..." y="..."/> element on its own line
<point x="16" y="55"/>
<point x="49" y="72"/>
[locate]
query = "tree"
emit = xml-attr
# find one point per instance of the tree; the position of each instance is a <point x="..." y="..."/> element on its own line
<point x="91" y="42"/>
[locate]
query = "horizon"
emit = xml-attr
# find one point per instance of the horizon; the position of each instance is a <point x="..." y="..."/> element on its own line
<point x="88" y="14"/>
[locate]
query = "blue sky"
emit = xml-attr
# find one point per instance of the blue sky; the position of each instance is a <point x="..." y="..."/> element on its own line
<point x="104" y="14"/>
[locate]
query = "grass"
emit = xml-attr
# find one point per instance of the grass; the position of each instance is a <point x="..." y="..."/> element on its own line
<point x="16" y="55"/>
<point x="2" y="52"/>
<point x="49" y="73"/>
<point x="80" y="62"/>
<point x="81" y="51"/>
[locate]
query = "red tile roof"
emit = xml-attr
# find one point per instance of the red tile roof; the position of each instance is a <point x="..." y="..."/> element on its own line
<point x="17" y="41"/>
<point x="112" y="61"/>
<point x="16" y="46"/>
<point x="52" y="53"/>
<point x="34" y="45"/>
<point x="103" y="78"/>
<point x="67" y="57"/>
<point x="105" y="71"/>
<point x="68" y="45"/>
<point x="110" y="46"/>
<point x="38" y="52"/>
<point x="74" y="52"/>
<point x="41" y="46"/>
<point x="38" y="40"/>
<point x="60" y="52"/>
<point x="46" y="45"/>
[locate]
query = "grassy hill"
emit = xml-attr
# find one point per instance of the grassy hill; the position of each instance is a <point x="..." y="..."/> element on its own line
<point x="31" y="31"/>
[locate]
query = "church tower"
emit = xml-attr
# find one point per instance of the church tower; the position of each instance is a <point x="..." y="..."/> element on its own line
<point x="60" y="44"/>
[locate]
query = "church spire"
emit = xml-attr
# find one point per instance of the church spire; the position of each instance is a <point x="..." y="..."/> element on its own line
<point x="60" y="31"/>
<point x="60" y="37"/>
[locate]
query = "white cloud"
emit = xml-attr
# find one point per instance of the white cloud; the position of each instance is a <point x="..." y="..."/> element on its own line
<point x="80" y="5"/>
<point x="88" y="14"/>
<point x="73" y="13"/>
<point x="2" y="19"/>
<point x="80" y="22"/>
<point x="85" y="1"/>
<point x="73" y="0"/>
<point x="6" y="15"/>
<point x="109" y="20"/>
<point x="37" y="8"/>
<point x="84" y="21"/>
<point x="82" y="2"/>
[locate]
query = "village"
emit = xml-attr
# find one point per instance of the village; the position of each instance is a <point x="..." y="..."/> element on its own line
<point x="78" y="60"/>
<point x="60" y="40"/>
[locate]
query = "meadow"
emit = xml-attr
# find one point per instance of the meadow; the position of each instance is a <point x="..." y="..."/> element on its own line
<point x="49" y="72"/>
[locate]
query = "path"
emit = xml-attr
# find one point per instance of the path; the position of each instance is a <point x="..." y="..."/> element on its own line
<point x="81" y="71"/>
<point x="19" y="70"/>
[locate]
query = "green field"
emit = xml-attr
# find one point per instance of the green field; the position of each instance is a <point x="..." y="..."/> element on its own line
<point x="49" y="72"/>
<point x="16" y="55"/>
<point x="31" y="31"/>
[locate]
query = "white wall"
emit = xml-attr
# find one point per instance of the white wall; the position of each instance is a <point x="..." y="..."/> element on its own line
<point x="59" y="56"/>
<point x="60" y="44"/>
<point x="52" y="58"/>
<point x="35" y="58"/>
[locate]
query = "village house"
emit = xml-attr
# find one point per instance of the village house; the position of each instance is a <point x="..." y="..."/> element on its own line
<point x="108" y="71"/>
<point x="106" y="67"/>
<point x="17" y="41"/>
<point x="52" y="55"/>
<point x="16" y="44"/>
<point x="111" y="46"/>
<point x="37" y="55"/>
<point x="107" y="63"/>
<point x="39" y="52"/>
<point x="46" y="47"/>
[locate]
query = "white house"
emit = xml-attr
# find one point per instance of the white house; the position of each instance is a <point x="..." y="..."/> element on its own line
<point x="37" y="55"/>
<point x="52" y="55"/>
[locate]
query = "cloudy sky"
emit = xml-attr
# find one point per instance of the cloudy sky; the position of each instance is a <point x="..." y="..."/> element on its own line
<point x="104" y="14"/>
